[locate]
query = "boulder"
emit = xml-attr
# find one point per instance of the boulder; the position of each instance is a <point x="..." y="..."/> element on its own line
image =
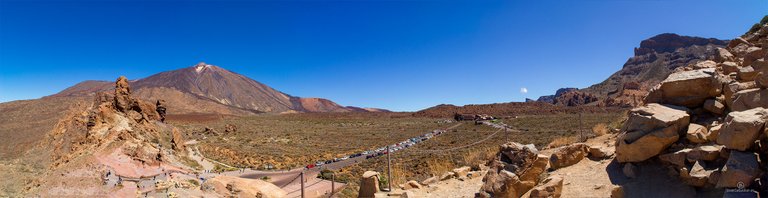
<point x="430" y="181"/>
<point x="504" y="184"/>
<point x="696" y="133"/>
<point x="536" y="169"/>
<point x="742" y="128"/>
<point x="762" y="76"/>
<point x="649" y="130"/>
<point x="734" y="87"/>
<point x="552" y="187"/>
<point x="705" y="64"/>
<point x="741" y="168"/>
<point x="698" y="176"/>
<point x="502" y="178"/>
<point x="462" y="172"/>
<point x="752" y="54"/>
<point x="686" y="88"/>
<point x="729" y="67"/>
<point x="617" y="192"/>
<point x="568" y="155"/>
<point x="447" y="176"/>
<point x="737" y="41"/>
<point x="746" y="74"/>
<point x="676" y="158"/>
<point x="714" y="106"/>
<point x="369" y="184"/>
<point x="411" y="185"/>
<point x="723" y="55"/>
<point x="599" y="152"/>
<point x="230" y="186"/>
<point x="749" y="99"/>
<point x="517" y="157"/>
<point x="148" y="110"/>
<point x="714" y="131"/>
<point x="704" y="153"/>
<point x="629" y="170"/>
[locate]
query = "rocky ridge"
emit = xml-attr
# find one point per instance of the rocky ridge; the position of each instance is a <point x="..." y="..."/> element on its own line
<point x="654" y="60"/>
<point x="706" y="121"/>
<point x="120" y="146"/>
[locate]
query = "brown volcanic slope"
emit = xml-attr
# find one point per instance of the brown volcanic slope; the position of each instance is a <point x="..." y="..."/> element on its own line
<point x="654" y="60"/>
<point x="205" y="88"/>
<point x="508" y="109"/>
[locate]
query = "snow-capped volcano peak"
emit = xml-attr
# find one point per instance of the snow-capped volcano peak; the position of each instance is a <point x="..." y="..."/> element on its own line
<point x="200" y="67"/>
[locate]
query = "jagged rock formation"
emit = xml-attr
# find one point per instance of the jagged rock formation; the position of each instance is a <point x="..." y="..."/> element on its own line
<point x="514" y="173"/>
<point x="654" y="60"/>
<point x="558" y="93"/>
<point x="706" y="121"/>
<point x="205" y="88"/>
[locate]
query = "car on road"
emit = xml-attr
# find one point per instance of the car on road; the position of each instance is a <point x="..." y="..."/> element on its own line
<point x="310" y="166"/>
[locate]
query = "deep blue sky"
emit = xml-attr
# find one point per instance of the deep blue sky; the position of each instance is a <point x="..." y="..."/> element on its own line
<point x="399" y="55"/>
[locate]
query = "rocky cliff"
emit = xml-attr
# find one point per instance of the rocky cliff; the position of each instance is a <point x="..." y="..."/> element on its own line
<point x="653" y="61"/>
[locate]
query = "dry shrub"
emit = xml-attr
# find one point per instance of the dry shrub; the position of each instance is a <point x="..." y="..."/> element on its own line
<point x="562" y="141"/>
<point x="398" y="174"/>
<point x="600" y="129"/>
<point x="439" y="166"/>
<point x="479" y="156"/>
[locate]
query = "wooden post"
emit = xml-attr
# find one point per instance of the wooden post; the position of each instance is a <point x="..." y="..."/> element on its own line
<point x="333" y="183"/>
<point x="302" y="184"/>
<point x="581" y="129"/>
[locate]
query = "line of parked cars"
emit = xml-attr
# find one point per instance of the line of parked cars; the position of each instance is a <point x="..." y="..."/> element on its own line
<point x="382" y="150"/>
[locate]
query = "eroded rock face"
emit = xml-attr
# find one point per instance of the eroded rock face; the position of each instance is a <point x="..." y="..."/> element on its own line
<point x="649" y="130"/>
<point x="503" y="180"/>
<point x="741" y="128"/>
<point x="161" y="110"/>
<point x="568" y="155"/>
<point x="230" y="186"/>
<point x="177" y="143"/>
<point x="135" y="109"/>
<point x="123" y="100"/>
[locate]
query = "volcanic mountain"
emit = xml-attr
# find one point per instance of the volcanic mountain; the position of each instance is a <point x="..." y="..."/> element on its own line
<point x="205" y="88"/>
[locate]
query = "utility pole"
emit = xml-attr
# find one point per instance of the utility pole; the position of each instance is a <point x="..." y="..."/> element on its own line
<point x="302" y="184"/>
<point x="389" y="171"/>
